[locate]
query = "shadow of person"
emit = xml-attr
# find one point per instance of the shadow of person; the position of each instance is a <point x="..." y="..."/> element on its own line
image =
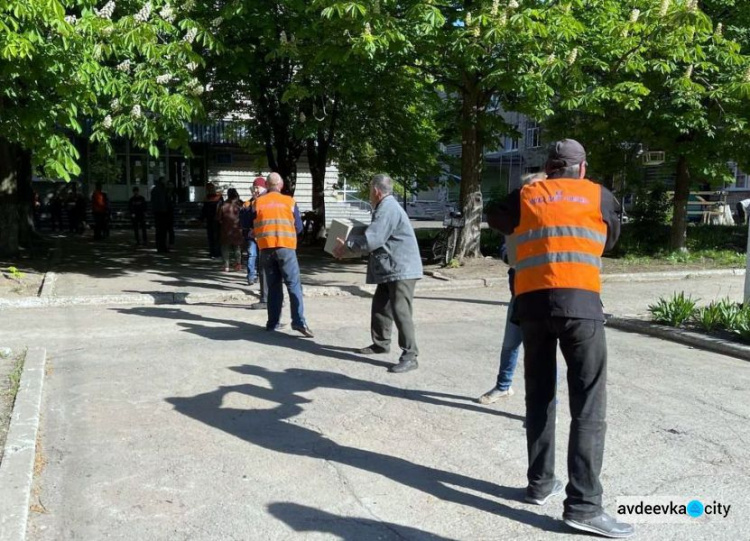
<point x="233" y="330"/>
<point x="302" y="518"/>
<point x="271" y="429"/>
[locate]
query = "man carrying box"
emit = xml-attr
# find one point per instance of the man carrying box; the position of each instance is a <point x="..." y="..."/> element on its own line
<point x="395" y="266"/>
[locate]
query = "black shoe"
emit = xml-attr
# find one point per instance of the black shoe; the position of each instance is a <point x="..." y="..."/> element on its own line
<point x="603" y="525"/>
<point x="304" y="329"/>
<point x="277" y="327"/>
<point x="372" y="350"/>
<point x="259" y="306"/>
<point x="404" y="366"/>
<point x="557" y="488"/>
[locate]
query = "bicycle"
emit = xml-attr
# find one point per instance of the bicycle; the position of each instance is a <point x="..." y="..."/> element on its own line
<point x="444" y="246"/>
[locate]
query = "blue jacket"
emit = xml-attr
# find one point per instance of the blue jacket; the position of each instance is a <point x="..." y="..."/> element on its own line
<point x="391" y="243"/>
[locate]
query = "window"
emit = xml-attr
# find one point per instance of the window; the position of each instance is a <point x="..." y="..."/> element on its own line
<point x="511" y="143"/>
<point x="533" y="134"/>
<point x="741" y="179"/>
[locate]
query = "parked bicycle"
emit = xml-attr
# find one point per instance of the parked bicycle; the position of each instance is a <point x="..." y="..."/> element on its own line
<point x="444" y="246"/>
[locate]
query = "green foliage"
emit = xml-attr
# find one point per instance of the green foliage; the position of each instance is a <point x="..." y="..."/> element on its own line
<point x="652" y="207"/>
<point x="725" y="244"/>
<point x="128" y="68"/>
<point x="14" y="273"/>
<point x="709" y="318"/>
<point x="674" y="311"/>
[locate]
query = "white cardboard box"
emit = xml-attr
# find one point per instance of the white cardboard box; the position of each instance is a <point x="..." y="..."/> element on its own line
<point x="343" y="229"/>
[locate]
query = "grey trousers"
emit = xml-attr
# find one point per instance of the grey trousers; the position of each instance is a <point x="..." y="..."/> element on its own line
<point x="393" y="302"/>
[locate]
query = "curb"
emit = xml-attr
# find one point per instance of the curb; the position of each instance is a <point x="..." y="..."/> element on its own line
<point x="182" y="297"/>
<point x="669" y="275"/>
<point x="48" y="285"/>
<point x="688" y="338"/>
<point x="17" y="468"/>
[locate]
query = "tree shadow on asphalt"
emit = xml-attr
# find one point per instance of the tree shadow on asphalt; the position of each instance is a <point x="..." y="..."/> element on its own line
<point x="273" y="430"/>
<point x="304" y="519"/>
<point x="233" y="330"/>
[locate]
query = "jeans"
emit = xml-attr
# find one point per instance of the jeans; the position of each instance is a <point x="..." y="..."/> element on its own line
<point x="584" y="348"/>
<point x="393" y="302"/>
<point x="512" y="340"/>
<point x="252" y="260"/>
<point x="280" y="265"/>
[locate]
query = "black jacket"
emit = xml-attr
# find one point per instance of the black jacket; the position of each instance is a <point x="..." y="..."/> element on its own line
<point x="563" y="302"/>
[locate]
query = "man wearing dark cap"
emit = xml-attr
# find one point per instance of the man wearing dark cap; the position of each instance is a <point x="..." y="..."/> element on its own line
<point x="563" y="225"/>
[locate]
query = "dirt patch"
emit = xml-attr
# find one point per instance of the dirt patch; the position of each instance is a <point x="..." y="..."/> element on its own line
<point x="26" y="284"/>
<point x="10" y="374"/>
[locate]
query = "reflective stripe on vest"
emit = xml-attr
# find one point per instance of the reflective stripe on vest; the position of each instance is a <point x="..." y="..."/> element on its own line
<point x="561" y="236"/>
<point x="274" y="225"/>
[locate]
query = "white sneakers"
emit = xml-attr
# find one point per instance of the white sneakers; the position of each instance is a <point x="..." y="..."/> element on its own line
<point x="492" y="396"/>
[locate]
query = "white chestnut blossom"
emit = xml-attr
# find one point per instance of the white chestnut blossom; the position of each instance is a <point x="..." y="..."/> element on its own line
<point x="689" y="71"/>
<point x="368" y="30"/>
<point x="107" y="122"/>
<point x="551" y="58"/>
<point x="192" y="66"/>
<point x="719" y="29"/>
<point x="167" y="13"/>
<point x="107" y="11"/>
<point x="282" y="37"/>
<point x="135" y="112"/>
<point x="302" y="117"/>
<point x="124" y="66"/>
<point x="572" y="56"/>
<point x="114" y="105"/>
<point x="191" y="35"/>
<point x="495" y="8"/>
<point x="144" y="13"/>
<point x="217" y="21"/>
<point x="747" y="76"/>
<point x="513" y="4"/>
<point x="664" y="8"/>
<point x="71" y="19"/>
<point x="163" y="79"/>
<point x="634" y="15"/>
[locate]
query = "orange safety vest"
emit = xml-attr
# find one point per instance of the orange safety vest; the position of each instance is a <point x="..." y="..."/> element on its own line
<point x="561" y="236"/>
<point x="274" y="226"/>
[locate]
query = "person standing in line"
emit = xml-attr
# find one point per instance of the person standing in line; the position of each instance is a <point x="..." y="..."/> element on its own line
<point x="254" y="271"/>
<point x="276" y="224"/>
<point x="562" y="226"/>
<point x="395" y="266"/>
<point x="211" y="203"/>
<point x="171" y="205"/>
<point x="228" y="217"/>
<point x="512" y="337"/>
<point x="160" y="208"/>
<point x="137" y="209"/>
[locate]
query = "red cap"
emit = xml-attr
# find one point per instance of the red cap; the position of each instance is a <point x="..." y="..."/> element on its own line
<point x="259" y="182"/>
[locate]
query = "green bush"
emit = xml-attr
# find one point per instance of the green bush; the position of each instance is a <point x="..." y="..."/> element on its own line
<point x="652" y="207"/>
<point x="709" y="317"/>
<point x="674" y="311"/>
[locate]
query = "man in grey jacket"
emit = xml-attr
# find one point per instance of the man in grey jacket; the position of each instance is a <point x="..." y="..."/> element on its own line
<point x="395" y="266"/>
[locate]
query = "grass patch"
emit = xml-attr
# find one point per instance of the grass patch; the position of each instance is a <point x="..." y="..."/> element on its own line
<point x="14" y="378"/>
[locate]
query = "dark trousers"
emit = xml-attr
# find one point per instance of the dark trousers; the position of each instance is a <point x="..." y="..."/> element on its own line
<point x="584" y="348"/>
<point x="393" y="301"/>
<point x="100" y="224"/>
<point x="170" y="227"/>
<point x="212" y="233"/>
<point x="161" y="223"/>
<point x="139" y="224"/>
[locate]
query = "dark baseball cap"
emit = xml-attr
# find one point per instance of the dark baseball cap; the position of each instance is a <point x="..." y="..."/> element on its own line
<point x="565" y="153"/>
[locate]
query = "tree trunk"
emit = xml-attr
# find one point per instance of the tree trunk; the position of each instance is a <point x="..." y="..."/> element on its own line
<point x="9" y="200"/>
<point x="317" y="157"/>
<point x="469" y="244"/>
<point x="678" y="234"/>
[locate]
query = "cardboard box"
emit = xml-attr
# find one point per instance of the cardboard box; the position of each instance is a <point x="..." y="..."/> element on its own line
<point x="343" y="229"/>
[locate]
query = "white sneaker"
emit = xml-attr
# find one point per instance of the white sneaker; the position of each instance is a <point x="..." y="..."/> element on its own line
<point x="490" y="397"/>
